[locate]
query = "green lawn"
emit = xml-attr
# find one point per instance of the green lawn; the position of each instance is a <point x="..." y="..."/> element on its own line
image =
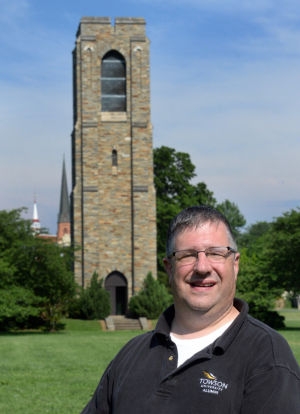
<point x="57" y="373"/>
<point x="292" y="331"/>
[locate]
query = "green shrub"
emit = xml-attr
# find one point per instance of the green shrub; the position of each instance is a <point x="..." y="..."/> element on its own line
<point x="151" y="300"/>
<point x="255" y="288"/>
<point x="19" y="309"/>
<point x="264" y="314"/>
<point x="92" y="302"/>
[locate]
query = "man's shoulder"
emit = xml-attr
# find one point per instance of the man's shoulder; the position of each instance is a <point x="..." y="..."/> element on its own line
<point x="268" y="343"/>
<point x="259" y="341"/>
<point x="255" y="330"/>
<point x="137" y="342"/>
<point x="263" y="330"/>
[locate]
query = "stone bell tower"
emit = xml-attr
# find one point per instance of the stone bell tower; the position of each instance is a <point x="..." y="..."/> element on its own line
<point x="113" y="196"/>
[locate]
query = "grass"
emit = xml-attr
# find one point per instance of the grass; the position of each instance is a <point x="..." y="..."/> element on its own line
<point x="57" y="373"/>
<point x="292" y="330"/>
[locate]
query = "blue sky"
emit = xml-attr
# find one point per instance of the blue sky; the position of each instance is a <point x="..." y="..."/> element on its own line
<point x="225" y="79"/>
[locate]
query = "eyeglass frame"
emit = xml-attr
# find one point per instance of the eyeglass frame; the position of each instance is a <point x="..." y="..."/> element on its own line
<point x="230" y="250"/>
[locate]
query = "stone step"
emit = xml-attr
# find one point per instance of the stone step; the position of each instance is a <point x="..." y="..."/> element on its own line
<point x="127" y="325"/>
<point x="118" y="323"/>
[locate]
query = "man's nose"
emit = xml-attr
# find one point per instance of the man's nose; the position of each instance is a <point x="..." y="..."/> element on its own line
<point x="202" y="262"/>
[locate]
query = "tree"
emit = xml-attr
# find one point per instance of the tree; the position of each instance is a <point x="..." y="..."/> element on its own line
<point x="45" y="268"/>
<point x="257" y="289"/>
<point x="233" y="215"/>
<point x="173" y="172"/>
<point x="40" y="267"/>
<point x="19" y="308"/>
<point x="151" y="300"/>
<point x="252" y="235"/>
<point x="281" y="253"/>
<point x="92" y="302"/>
<point x="270" y="265"/>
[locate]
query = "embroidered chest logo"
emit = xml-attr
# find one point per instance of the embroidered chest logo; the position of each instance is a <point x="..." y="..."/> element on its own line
<point x="210" y="384"/>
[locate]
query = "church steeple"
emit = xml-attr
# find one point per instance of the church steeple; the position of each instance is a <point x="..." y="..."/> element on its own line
<point x="64" y="222"/>
<point x="35" y="225"/>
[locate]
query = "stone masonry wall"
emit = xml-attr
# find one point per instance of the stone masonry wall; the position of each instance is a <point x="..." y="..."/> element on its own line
<point x="114" y="217"/>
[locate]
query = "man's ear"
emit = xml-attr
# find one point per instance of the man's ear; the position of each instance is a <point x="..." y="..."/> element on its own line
<point x="236" y="264"/>
<point x="168" y="267"/>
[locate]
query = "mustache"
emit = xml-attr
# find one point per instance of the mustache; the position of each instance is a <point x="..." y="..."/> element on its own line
<point x="198" y="278"/>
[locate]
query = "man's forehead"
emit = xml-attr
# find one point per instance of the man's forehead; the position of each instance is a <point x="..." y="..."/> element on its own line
<point x="213" y="228"/>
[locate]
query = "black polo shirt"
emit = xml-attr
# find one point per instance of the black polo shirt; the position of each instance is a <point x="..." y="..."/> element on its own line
<point x="249" y="369"/>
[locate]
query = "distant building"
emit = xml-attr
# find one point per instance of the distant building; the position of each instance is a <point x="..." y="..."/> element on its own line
<point x="113" y="201"/>
<point x="35" y="224"/>
<point x="64" y="220"/>
<point x="63" y="236"/>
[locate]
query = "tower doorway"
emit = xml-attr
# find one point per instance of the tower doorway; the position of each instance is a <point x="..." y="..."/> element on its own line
<point x="116" y="285"/>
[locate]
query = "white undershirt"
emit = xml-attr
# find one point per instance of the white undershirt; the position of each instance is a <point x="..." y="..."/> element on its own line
<point x="186" y="348"/>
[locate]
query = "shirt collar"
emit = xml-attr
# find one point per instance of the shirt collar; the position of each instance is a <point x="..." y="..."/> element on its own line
<point x="163" y="327"/>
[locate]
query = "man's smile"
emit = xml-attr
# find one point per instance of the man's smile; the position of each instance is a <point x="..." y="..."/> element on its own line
<point x="201" y="283"/>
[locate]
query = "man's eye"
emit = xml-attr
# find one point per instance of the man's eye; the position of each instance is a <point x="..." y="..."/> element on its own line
<point x="186" y="255"/>
<point x="216" y="253"/>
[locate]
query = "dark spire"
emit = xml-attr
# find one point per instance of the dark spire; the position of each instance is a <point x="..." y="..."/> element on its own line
<point x="64" y="207"/>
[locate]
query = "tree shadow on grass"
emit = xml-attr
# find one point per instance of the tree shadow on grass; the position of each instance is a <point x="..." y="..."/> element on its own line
<point x="30" y="332"/>
<point x="290" y="329"/>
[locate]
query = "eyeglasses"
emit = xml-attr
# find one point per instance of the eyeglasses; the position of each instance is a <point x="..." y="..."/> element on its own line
<point x="213" y="255"/>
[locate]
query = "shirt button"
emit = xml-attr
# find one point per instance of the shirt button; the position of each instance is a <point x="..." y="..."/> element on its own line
<point x="171" y="358"/>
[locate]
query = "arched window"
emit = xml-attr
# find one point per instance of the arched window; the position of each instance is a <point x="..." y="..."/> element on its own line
<point x="113" y="82"/>
<point x="114" y="158"/>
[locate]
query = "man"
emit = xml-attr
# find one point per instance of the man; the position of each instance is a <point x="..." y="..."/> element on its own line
<point x="206" y="354"/>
